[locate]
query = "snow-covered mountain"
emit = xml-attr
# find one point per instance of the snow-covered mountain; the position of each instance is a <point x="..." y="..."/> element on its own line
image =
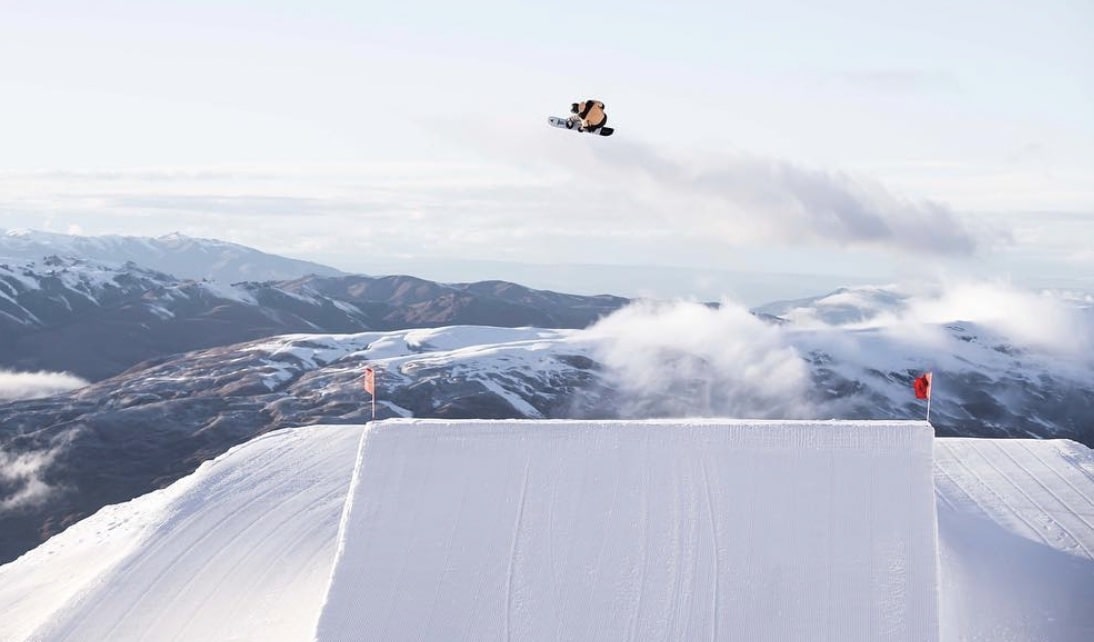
<point x="124" y="436"/>
<point x="97" y="319"/>
<point x="244" y="548"/>
<point x="844" y="306"/>
<point x="175" y="254"/>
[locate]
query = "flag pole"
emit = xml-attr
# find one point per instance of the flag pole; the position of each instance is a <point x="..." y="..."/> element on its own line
<point x="930" y="393"/>
<point x="370" y="387"/>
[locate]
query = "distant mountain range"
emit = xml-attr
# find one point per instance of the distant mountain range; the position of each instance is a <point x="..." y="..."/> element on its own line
<point x="124" y="436"/>
<point x="179" y="255"/>
<point x="97" y="320"/>
<point x="185" y="369"/>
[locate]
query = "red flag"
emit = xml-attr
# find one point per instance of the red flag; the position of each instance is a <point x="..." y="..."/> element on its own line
<point x="923" y="386"/>
<point x="370" y="381"/>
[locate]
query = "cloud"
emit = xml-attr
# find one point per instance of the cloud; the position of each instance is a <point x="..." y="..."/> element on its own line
<point x="730" y="199"/>
<point x="259" y="207"/>
<point x="746" y="197"/>
<point x="23" y="474"/>
<point x="32" y="385"/>
<point x="1043" y="320"/>
<point x="1059" y="322"/>
<point x="617" y="200"/>
<point x="688" y="359"/>
<point x="900" y="81"/>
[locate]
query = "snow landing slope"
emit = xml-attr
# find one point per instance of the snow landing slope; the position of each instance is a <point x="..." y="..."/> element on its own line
<point x="1016" y="539"/>
<point x="244" y="547"/>
<point x="239" y="550"/>
<point x="677" y="530"/>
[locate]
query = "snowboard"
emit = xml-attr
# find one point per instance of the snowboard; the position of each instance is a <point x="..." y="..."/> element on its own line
<point x="566" y="123"/>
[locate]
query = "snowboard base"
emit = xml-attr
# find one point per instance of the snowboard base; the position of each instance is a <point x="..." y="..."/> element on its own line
<point x="566" y="123"/>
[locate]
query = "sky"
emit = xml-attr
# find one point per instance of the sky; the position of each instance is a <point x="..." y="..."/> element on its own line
<point x="854" y="142"/>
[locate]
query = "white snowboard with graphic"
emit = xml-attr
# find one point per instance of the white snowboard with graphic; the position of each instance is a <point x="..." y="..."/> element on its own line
<point x="566" y="123"/>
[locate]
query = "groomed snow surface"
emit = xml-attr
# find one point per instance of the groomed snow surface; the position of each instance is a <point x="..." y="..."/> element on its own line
<point x="584" y="530"/>
<point x="240" y="550"/>
<point x="638" y="531"/>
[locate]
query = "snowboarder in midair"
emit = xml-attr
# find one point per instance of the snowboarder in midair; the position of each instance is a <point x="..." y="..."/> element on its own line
<point x="590" y="113"/>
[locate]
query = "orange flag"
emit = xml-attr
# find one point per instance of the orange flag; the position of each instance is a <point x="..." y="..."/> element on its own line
<point x="923" y="386"/>
<point x="370" y="381"/>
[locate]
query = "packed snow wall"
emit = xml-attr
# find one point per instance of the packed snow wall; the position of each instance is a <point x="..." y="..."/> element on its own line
<point x="624" y="530"/>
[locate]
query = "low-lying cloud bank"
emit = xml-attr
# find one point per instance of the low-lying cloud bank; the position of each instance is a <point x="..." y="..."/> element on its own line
<point x="21" y="481"/>
<point x="688" y="359"/>
<point x="1054" y="321"/>
<point x="33" y="385"/>
<point x="24" y="475"/>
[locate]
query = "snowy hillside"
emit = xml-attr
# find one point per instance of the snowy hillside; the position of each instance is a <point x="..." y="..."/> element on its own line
<point x="97" y="319"/>
<point x="175" y="254"/>
<point x="244" y="547"/>
<point x="120" y="438"/>
<point x="256" y="528"/>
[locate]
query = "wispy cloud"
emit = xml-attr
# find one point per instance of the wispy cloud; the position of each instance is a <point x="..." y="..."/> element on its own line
<point x="687" y="359"/>
<point x="735" y="198"/>
<point x="23" y="478"/>
<point x="574" y="200"/>
<point x="1042" y="320"/>
<point x="253" y="206"/>
<point x="746" y="197"/>
<point x="900" y="81"/>
<point x="32" y="385"/>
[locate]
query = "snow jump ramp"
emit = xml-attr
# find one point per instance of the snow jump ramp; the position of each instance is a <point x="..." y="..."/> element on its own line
<point x="638" y="530"/>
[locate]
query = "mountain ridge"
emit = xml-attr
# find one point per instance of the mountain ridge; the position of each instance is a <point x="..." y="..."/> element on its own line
<point x="96" y="320"/>
<point x="140" y="430"/>
<point x="177" y="254"/>
<point x="184" y="369"/>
